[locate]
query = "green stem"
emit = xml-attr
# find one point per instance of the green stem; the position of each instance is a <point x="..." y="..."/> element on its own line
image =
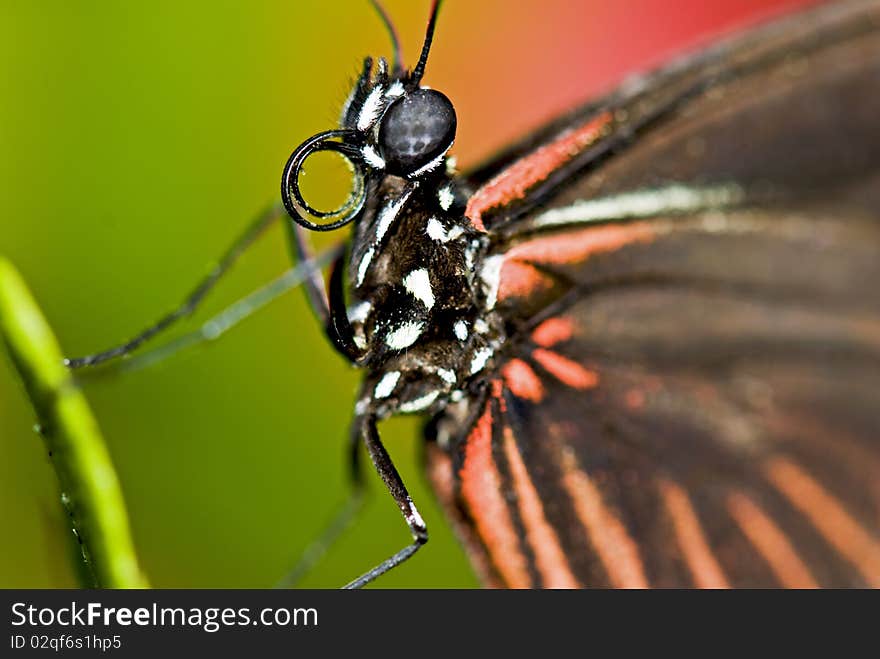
<point x="89" y="486"/>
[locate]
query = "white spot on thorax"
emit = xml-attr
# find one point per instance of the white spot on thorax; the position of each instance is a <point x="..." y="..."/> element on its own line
<point x="388" y="214"/>
<point x="365" y="265"/>
<point x="445" y="197"/>
<point x="386" y="385"/>
<point x="481" y="326"/>
<point x="461" y="330"/>
<point x="480" y="358"/>
<point x="436" y="231"/>
<point x="491" y="276"/>
<point x="386" y="217"/>
<point x="370" y="110"/>
<point x="404" y="336"/>
<point x="420" y="403"/>
<point x="446" y="375"/>
<point x="418" y="284"/>
<point x="359" y="312"/>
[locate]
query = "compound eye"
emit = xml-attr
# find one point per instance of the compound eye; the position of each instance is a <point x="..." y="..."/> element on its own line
<point x="416" y="129"/>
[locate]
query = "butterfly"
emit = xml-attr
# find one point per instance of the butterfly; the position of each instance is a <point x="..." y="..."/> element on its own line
<point x="646" y="336"/>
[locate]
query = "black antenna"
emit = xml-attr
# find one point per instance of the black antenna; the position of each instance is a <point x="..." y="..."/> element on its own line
<point x="419" y="71"/>
<point x="395" y="41"/>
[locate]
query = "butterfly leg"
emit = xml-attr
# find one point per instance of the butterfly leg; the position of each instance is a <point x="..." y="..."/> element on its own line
<point x="328" y="307"/>
<point x="241" y="244"/>
<point x="217" y="325"/>
<point x="390" y="476"/>
<point x="300" y="251"/>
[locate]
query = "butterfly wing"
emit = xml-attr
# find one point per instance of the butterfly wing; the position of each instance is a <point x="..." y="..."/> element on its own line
<point x="690" y="391"/>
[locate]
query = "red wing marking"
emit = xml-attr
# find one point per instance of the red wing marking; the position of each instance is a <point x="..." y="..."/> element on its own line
<point x="829" y="517"/>
<point x="481" y="489"/>
<point x="565" y="370"/>
<point x="549" y="557"/>
<point x="697" y="553"/>
<point x="635" y="399"/>
<point x="521" y="280"/>
<point x="770" y="542"/>
<point x="552" y="331"/>
<point x="615" y="547"/>
<point x="440" y="474"/>
<point x="576" y="246"/>
<point x="522" y="380"/>
<point x="497" y="391"/>
<point x="514" y="181"/>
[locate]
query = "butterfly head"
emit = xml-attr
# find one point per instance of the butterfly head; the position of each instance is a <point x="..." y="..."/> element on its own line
<point x="400" y="128"/>
<point x="390" y="125"/>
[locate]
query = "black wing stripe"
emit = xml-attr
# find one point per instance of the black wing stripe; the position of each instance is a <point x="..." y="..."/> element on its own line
<point x="514" y="501"/>
<point x="547" y="479"/>
<point x="617" y="549"/>
<point x="821" y="559"/>
<point x="550" y="558"/>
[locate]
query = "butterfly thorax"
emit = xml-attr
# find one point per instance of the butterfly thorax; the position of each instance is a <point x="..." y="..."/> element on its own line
<point x="418" y="301"/>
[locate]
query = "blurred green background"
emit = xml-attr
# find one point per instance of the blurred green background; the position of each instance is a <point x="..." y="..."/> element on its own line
<point x="137" y="139"/>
